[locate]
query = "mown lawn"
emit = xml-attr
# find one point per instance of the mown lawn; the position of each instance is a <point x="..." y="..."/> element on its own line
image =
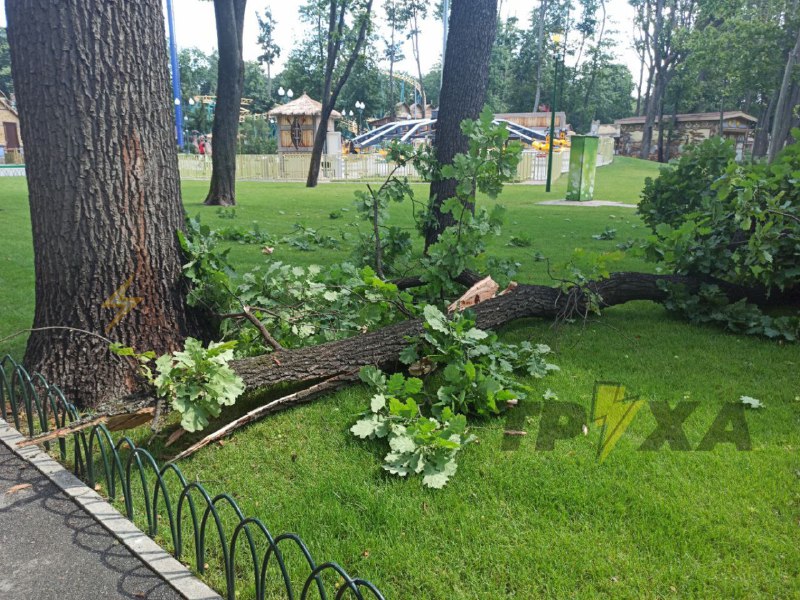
<point x="515" y="522"/>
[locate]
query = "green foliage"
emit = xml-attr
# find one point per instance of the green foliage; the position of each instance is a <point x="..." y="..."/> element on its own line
<point x="478" y="370"/>
<point x="207" y="267"/>
<point x="742" y="227"/>
<point x="683" y="186"/>
<point x="490" y="162"/>
<point x="198" y="382"/>
<point x="309" y="239"/>
<point x="710" y="305"/>
<point x="609" y="233"/>
<point x="426" y="425"/>
<point x="418" y="444"/>
<point x="302" y="306"/>
<point x="746" y="231"/>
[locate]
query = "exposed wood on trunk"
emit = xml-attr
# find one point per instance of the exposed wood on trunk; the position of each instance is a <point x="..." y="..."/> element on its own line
<point x="114" y="422"/>
<point x="94" y="99"/>
<point x="484" y="290"/>
<point x="782" y="121"/>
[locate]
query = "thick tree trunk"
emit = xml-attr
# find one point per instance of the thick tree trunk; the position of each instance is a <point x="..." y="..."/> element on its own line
<point x="383" y="347"/>
<point x="473" y="25"/>
<point x="229" y="15"/>
<point x="96" y="115"/>
<point x="761" y="140"/>
<point x="782" y="122"/>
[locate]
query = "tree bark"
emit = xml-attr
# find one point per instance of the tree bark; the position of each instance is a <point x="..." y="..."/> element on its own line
<point x="96" y="114"/>
<point x="330" y="92"/>
<point x="654" y="98"/>
<point x="782" y="121"/>
<point x="382" y="347"/>
<point x="761" y="141"/>
<point x="229" y="16"/>
<point x="473" y="25"/>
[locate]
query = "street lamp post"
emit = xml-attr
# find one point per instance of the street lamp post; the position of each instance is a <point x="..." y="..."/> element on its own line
<point x="556" y="38"/>
<point x="176" y="77"/>
<point x="286" y="95"/>
<point x="360" y="106"/>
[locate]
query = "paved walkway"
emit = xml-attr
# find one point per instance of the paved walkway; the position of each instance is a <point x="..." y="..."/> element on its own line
<point x="51" y="549"/>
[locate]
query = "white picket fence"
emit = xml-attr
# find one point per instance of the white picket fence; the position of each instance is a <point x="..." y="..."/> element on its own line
<point x="355" y="167"/>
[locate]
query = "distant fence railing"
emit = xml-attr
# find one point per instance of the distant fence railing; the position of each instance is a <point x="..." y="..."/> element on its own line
<point x="173" y="506"/>
<point x="355" y="167"/>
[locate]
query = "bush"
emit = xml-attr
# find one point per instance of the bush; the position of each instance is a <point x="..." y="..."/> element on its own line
<point x="682" y="186"/>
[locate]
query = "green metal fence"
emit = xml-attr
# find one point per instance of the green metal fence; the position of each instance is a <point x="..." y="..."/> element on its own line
<point x="183" y="515"/>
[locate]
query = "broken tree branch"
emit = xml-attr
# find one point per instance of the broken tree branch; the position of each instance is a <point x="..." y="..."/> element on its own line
<point x="294" y="399"/>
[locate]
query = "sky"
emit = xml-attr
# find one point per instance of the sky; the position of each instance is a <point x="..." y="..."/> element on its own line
<point x="195" y="28"/>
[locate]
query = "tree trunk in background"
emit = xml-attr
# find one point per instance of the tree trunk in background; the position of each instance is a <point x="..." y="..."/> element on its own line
<point x="782" y="122"/>
<point x="465" y="79"/>
<point x="654" y="99"/>
<point x="330" y="92"/>
<point x="761" y="140"/>
<point x="95" y="107"/>
<point x="229" y="15"/>
<point x="415" y="50"/>
<point x="539" y="58"/>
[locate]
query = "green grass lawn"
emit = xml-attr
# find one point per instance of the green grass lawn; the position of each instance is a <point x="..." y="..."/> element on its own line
<point x="515" y="522"/>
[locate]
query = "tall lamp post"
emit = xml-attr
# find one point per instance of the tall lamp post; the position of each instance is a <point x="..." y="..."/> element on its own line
<point x="176" y="76"/>
<point x="286" y="95"/>
<point x="556" y="39"/>
<point x="360" y="106"/>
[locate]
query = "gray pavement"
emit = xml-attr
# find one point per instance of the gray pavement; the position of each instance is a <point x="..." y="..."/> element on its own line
<point x="51" y="549"/>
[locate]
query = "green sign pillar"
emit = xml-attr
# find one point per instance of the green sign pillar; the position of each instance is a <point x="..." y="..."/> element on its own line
<point x="582" y="167"/>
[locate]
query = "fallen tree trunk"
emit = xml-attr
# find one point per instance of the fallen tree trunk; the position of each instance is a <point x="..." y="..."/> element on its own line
<point x="382" y="347"/>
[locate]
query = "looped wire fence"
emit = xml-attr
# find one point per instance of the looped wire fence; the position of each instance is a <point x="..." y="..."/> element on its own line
<point x="279" y="566"/>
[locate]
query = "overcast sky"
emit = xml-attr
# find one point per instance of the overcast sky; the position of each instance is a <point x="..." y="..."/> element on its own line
<point x="195" y="27"/>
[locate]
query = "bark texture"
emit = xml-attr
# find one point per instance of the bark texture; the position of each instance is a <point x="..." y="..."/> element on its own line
<point x="229" y="16"/>
<point x="382" y="347"/>
<point x="782" y="122"/>
<point x="473" y="25"/>
<point x="94" y="100"/>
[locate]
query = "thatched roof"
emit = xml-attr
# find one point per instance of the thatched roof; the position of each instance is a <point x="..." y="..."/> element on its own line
<point x="303" y="106"/>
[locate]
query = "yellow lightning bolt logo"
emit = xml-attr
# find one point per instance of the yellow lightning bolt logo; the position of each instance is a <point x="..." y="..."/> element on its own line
<point x="614" y="412"/>
<point x="121" y="302"/>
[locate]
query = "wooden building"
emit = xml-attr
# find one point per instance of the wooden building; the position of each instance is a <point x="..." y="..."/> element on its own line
<point x="687" y="129"/>
<point x="297" y="123"/>
<point x="536" y="120"/>
<point x="10" y="141"/>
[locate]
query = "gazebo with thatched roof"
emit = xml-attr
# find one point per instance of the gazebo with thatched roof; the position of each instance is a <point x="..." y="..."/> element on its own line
<point x="297" y="123"/>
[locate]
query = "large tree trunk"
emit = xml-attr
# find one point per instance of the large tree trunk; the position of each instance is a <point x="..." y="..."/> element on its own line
<point x="761" y="140"/>
<point x="229" y="15"/>
<point x="782" y="122"/>
<point x="383" y="347"/>
<point x="96" y="114"/>
<point x="473" y="25"/>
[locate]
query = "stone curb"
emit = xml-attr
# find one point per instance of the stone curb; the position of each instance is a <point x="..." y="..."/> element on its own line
<point x="144" y="548"/>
